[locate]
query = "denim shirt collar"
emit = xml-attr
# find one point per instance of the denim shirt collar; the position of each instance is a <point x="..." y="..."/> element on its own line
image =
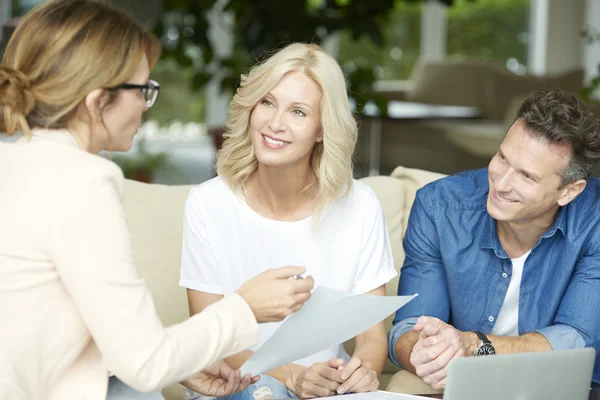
<point x="489" y="234"/>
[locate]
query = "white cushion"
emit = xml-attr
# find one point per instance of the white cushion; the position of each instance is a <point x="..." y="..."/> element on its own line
<point x="155" y="216"/>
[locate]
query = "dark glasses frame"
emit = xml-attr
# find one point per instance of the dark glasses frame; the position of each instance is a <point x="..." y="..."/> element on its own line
<point x="152" y="87"/>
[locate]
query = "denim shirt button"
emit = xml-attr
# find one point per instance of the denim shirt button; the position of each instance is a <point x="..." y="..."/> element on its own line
<point x="491" y="319"/>
<point x="504" y="275"/>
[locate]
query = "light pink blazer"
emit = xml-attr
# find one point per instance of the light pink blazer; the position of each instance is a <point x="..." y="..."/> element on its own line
<point x="72" y="305"/>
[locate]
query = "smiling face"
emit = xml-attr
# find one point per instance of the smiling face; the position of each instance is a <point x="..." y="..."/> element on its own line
<point x="286" y="123"/>
<point x="524" y="177"/>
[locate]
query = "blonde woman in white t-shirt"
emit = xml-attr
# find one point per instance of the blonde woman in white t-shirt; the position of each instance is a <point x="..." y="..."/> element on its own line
<point x="285" y="195"/>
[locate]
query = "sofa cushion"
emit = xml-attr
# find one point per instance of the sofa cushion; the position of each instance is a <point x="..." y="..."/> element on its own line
<point x="155" y="217"/>
<point x="412" y="179"/>
<point x="390" y="193"/>
<point x="504" y="86"/>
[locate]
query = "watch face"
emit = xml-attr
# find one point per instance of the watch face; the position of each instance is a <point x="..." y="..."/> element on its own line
<point x="486" y="350"/>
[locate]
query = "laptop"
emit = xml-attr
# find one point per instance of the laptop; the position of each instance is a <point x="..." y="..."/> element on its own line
<point x="550" y="375"/>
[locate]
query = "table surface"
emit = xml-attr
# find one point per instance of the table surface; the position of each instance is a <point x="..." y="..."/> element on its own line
<point x="405" y="110"/>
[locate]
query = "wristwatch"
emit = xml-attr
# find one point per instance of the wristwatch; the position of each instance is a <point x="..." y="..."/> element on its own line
<point x="485" y="347"/>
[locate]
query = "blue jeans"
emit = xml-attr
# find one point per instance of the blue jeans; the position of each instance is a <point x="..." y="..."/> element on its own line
<point x="266" y="388"/>
<point x="118" y="390"/>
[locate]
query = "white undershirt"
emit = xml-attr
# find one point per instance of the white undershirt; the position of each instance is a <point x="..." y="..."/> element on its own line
<point x="507" y="323"/>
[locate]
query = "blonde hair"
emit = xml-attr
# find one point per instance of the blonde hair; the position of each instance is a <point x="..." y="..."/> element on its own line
<point x="331" y="159"/>
<point x="60" y="52"/>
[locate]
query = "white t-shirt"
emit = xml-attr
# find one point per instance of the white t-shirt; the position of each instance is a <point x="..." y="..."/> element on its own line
<point x="226" y="243"/>
<point x="507" y="323"/>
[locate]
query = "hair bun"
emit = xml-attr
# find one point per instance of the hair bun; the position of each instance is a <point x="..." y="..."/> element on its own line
<point x="16" y="98"/>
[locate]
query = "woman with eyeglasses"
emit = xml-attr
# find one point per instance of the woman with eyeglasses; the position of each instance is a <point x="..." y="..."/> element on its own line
<point x="74" y="79"/>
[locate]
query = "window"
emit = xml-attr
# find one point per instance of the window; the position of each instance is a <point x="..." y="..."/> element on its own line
<point x="495" y="30"/>
<point x="395" y="60"/>
<point x="177" y="100"/>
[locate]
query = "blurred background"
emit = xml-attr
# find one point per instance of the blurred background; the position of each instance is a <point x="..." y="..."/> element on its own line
<point x="434" y="84"/>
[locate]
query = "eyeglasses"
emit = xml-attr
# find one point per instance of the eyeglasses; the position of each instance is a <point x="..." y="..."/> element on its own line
<point x="150" y="90"/>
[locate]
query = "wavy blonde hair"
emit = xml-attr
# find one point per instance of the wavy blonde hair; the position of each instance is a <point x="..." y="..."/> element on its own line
<point x="331" y="159"/>
<point x="60" y="52"/>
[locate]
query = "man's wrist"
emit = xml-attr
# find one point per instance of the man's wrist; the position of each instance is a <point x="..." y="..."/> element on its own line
<point x="470" y="342"/>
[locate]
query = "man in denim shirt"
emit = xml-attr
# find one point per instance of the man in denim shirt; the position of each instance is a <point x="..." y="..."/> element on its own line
<point x="507" y="259"/>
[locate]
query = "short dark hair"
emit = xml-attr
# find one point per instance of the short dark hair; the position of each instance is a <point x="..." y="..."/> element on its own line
<point x="559" y="117"/>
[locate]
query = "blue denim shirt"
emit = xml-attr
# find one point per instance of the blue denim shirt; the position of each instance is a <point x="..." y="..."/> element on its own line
<point x="455" y="262"/>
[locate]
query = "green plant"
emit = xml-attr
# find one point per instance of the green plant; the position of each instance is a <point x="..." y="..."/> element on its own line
<point x="266" y="25"/>
<point x="494" y="30"/>
<point x="592" y="38"/>
<point x="177" y="100"/>
<point x="142" y="165"/>
<point x="401" y="48"/>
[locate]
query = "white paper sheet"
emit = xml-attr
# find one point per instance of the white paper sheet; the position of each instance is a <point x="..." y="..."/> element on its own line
<point x="378" y="395"/>
<point x="328" y="318"/>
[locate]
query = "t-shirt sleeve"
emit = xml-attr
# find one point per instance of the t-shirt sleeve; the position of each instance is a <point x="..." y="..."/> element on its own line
<point x="199" y="270"/>
<point x="376" y="263"/>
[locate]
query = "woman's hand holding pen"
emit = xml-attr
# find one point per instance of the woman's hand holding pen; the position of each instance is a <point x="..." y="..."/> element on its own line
<point x="272" y="295"/>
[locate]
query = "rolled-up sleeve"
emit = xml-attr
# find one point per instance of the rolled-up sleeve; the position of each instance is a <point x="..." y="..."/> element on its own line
<point x="422" y="272"/>
<point x="562" y="337"/>
<point x="398" y="330"/>
<point x="576" y="323"/>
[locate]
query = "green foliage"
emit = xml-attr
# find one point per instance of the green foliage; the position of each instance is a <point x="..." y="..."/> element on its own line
<point x="177" y="100"/>
<point x="587" y="93"/>
<point x="378" y="39"/>
<point x="263" y="26"/>
<point x="495" y="30"/>
<point x="16" y="7"/>
<point x="489" y="29"/>
<point x="592" y="38"/>
<point x="143" y="165"/>
<point x="395" y="59"/>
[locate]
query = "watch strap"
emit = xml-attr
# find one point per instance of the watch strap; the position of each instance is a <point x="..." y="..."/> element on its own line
<point x="483" y="337"/>
<point x="485" y="345"/>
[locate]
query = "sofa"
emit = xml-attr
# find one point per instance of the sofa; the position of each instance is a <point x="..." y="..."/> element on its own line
<point x="487" y="85"/>
<point x="452" y="146"/>
<point x="155" y="217"/>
